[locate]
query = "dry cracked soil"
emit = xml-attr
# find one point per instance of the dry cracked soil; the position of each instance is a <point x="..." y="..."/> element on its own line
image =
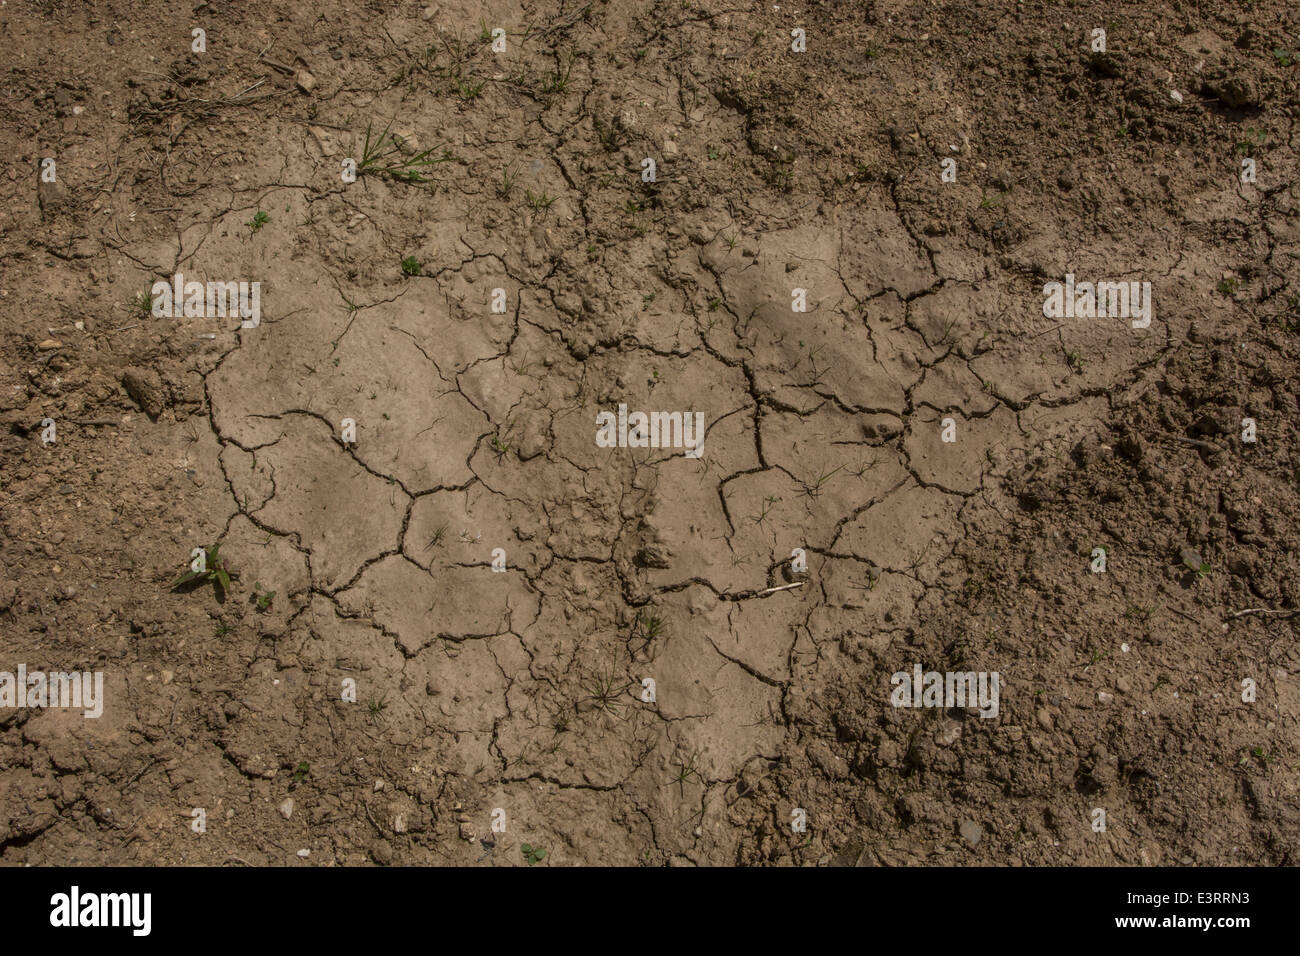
<point x="450" y="622"/>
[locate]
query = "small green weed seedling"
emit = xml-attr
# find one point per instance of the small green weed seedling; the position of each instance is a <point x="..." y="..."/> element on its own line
<point x="210" y="568"/>
<point x="1258" y="754"/>
<point x="263" y="598"/>
<point x="1254" y="138"/>
<point x="533" y="854"/>
<point x="259" y="220"/>
<point x="1192" y="560"/>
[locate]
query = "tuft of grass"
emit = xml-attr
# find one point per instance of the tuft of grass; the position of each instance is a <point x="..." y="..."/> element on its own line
<point x="382" y="156"/>
<point x="604" y="688"/>
<point x="436" y="540"/>
<point x="542" y="200"/>
<point x="647" y="626"/>
<point x="686" y="769"/>
<point x="141" y="307"/>
<point x="769" y="502"/>
<point x="522" y="366"/>
<point x="1285" y="323"/>
<point x="814" y="488"/>
<point x="560" y="81"/>
<point x="508" y="179"/>
<point x="502" y="441"/>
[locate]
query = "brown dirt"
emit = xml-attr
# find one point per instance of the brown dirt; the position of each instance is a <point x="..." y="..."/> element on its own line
<point x="522" y="690"/>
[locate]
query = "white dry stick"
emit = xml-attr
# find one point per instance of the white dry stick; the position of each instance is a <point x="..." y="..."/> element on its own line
<point x="248" y="89"/>
<point x="784" y="587"/>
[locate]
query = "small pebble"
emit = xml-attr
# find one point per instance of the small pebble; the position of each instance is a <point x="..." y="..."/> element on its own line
<point x="286" y="808"/>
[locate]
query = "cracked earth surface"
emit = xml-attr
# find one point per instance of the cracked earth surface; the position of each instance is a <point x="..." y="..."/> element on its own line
<point x="522" y="690"/>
